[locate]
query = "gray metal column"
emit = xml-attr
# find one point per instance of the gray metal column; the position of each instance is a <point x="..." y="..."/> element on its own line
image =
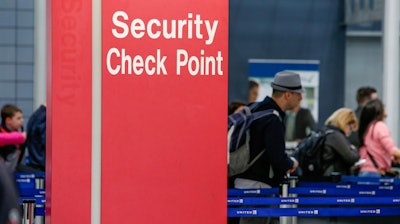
<point x="391" y="65"/>
<point x="39" y="57"/>
<point x="96" y="112"/>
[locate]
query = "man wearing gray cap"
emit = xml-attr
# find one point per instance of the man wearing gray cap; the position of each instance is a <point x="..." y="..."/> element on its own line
<point x="269" y="133"/>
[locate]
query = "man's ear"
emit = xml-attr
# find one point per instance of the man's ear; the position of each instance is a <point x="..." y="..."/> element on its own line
<point x="287" y="95"/>
<point x="7" y="120"/>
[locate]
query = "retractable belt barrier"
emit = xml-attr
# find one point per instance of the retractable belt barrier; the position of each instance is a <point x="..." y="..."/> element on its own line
<point x="355" y="191"/>
<point x="314" y="212"/>
<point x="348" y="186"/>
<point x="31" y="188"/>
<point x="382" y="180"/>
<point x="314" y="201"/>
<point x="359" y="196"/>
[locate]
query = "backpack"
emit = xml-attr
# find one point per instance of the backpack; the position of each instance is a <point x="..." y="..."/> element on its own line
<point x="239" y="138"/>
<point x="309" y="154"/>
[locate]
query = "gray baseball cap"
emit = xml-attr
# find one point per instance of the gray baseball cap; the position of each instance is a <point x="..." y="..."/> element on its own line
<point x="287" y="81"/>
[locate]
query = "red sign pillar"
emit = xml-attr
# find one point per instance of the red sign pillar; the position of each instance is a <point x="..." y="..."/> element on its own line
<point x="69" y="98"/>
<point x="163" y="113"/>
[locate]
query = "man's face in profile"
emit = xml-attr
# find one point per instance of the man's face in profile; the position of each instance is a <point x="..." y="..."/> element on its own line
<point x="15" y="123"/>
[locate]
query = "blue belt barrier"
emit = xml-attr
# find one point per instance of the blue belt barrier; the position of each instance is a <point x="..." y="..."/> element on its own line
<point x="367" y="191"/>
<point x="39" y="210"/>
<point x="350" y="193"/>
<point x="253" y="192"/>
<point x="19" y="175"/>
<point x="348" y="186"/>
<point x="387" y="180"/>
<point x="29" y="180"/>
<point x="313" y="212"/>
<point x="314" y="201"/>
<point x="29" y="192"/>
<point x="337" y="192"/>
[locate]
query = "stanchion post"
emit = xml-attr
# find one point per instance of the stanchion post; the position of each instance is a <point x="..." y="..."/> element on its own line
<point x="39" y="183"/>
<point x="284" y="190"/>
<point x="336" y="177"/>
<point x="28" y="207"/>
<point x="292" y="184"/>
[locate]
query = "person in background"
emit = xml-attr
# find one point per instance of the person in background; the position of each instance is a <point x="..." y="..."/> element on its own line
<point x="339" y="154"/>
<point x="269" y="133"/>
<point x="376" y="145"/>
<point x="36" y="141"/>
<point x="364" y="94"/>
<point x="253" y="91"/>
<point x="10" y="210"/>
<point x="299" y="123"/>
<point x="11" y="120"/>
<point x="235" y="106"/>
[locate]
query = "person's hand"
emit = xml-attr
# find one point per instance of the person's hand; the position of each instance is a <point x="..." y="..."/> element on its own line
<point x="396" y="159"/>
<point x="295" y="165"/>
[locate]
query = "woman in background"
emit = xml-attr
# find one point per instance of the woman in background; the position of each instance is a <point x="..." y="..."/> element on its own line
<point x="339" y="154"/>
<point x="376" y="145"/>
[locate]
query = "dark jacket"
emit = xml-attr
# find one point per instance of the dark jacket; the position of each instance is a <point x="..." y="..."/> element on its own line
<point x="36" y="138"/>
<point x="354" y="135"/>
<point x="338" y="155"/>
<point x="6" y="150"/>
<point x="268" y="133"/>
